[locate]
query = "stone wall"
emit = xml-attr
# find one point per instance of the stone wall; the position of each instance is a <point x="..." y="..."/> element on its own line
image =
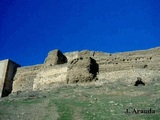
<point x="39" y="77"/>
<point x="24" y="78"/>
<point x="50" y="77"/>
<point x="71" y="55"/>
<point x="3" y="69"/>
<point x="147" y="59"/>
<point x="7" y="71"/>
<point x="129" y="76"/>
<point x="111" y="67"/>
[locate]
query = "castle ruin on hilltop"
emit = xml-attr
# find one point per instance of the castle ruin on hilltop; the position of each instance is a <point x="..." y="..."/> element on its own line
<point x="79" y="66"/>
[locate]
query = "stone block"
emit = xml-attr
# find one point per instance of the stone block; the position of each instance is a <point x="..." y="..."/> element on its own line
<point x="55" y="57"/>
<point x="7" y="71"/>
<point x="82" y="70"/>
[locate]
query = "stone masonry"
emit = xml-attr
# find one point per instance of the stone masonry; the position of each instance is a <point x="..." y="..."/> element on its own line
<point x="7" y="71"/>
<point x="82" y="69"/>
<point x="55" y="57"/>
<point x="126" y="66"/>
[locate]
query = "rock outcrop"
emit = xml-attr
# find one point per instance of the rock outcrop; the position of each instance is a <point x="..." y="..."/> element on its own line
<point x="55" y="57"/>
<point x="82" y="69"/>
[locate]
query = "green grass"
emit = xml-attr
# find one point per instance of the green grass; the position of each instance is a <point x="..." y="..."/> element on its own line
<point x="91" y="103"/>
<point x="64" y="109"/>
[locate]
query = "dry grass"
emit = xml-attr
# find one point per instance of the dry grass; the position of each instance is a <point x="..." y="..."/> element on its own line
<point x="99" y="100"/>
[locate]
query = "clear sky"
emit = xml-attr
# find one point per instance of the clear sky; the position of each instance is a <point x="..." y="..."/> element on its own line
<point x="29" y="29"/>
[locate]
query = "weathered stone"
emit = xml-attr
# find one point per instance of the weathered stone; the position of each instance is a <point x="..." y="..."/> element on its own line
<point x="86" y="53"/>
<point x="7" y="72"/>
<point x="82" y="70"/>
<point x="117" y="67"/>
<point x="55" y="57"/>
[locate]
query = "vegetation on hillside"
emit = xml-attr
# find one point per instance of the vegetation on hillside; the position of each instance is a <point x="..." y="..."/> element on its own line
<point x="93" y="101"/>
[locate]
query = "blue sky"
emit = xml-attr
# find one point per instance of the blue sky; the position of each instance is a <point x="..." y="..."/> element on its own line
<point x="29" y="29"/>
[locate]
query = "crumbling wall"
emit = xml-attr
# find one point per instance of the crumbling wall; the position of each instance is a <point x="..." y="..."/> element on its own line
<point x="71" y="55"/>
<point x="146" y="59"/>
<point x="24" y="78"/>
<point x="39" y="77"/>
<point x="3" y="69"/>
<point x="55" y="57"/>
<point x="82" y="69"/>
<point x="111" y="67"/>
<point x="50" y="77"/>
<point x="7" y="71"/>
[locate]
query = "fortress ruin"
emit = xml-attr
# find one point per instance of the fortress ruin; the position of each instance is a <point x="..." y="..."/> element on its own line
<point x="125" y="66"/>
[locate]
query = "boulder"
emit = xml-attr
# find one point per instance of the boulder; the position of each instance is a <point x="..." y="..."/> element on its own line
<point x="82" y="69"/>
<point x="55" y="57"/>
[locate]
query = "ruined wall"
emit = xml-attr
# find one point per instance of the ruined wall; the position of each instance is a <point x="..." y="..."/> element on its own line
<point x="3" y="69"/>
<point x="129" y="76"/>
<point x="147" y="59"/>
<point x="39" y="77"/>
<point x="71" y="55"/>
<point x="7" y="71"/>
<point x="24" y="78"/>
<point x="125" y="65"/>
<point x="50" y="77"/>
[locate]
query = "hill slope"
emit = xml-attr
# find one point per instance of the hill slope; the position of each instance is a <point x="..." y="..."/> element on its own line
<point x="94" y="101"/>
<point x="108" y="98"/>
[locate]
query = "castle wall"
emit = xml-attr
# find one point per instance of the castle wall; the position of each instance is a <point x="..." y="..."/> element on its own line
<point x="129" y="76"/>
<point x="3" y="69"/>
<point x="24" y="78"/>
<point x="71" y="55"/>
<point x="50" y="77"/>
<point x="39" y="77"/>
<point x="7" y="72"/>
<point x="111" y="67"/>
